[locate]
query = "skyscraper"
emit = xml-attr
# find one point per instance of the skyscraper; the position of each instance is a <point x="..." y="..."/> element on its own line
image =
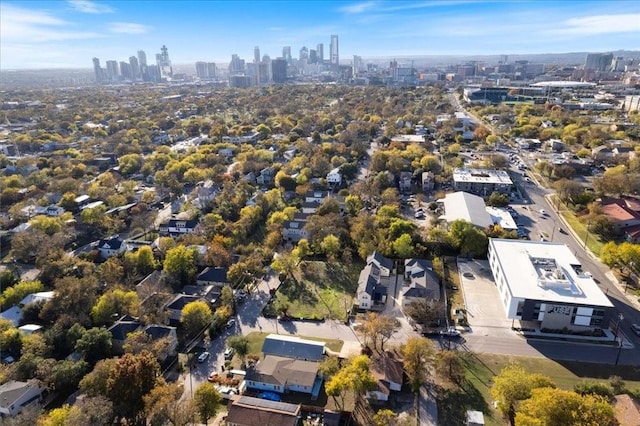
<point x="112" y="71"/>
<point x="164" y="64"/>
<point x="236" y="66"/>
<point x="599" y="61"/>
<point x="256" y="54"/>
<point x="286" y="54"/>
<point x="320" y="52"/>
<point x="142" y="62"/>
<point x="135" y="68"/>
<point x="335" y="56"/>
<point x="97" y="71"/>
<point x="279" y="70"/>
<point x="125" y="70"/>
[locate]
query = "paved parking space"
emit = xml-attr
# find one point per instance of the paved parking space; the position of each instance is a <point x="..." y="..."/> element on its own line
<point x="485" y="313"/>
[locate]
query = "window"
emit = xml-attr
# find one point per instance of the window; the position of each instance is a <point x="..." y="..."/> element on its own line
<point x="520" y="308"/>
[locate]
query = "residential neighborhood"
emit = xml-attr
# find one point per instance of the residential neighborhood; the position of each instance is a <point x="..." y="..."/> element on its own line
<point x="314" y="253"/>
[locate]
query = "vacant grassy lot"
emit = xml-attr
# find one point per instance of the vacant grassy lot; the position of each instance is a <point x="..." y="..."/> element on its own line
<point x="481" y="368"/>
<point x="318" y="290"/>
<point x="580" y="228"/>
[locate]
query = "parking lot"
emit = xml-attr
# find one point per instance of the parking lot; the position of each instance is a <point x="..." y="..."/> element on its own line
<point x="485" y="313"/>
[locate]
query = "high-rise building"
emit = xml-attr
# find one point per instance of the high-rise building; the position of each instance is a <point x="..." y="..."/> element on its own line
<point x="201" y="70"/>
<point x="313" y="56"/>
<point x="256" y="54"/>
<point x="320" y="50"/>
<point x="279" y="70"/>
<point x="211" y="70"/>
<point x="142" y="62"/>
<point x="598" y="61"/>
<point x="335" y="56"/>
<point x="358" y="65"/>
<point x="236" y="66"/>
<point x="164" y="64"/>
<point x="97" y="71"/>
<point x="112" y="71"/>
<point x="135" y="68"/>
<point x="286" y="54"/>
<point x="125" y="70"/>
<point x="304" y="53"/>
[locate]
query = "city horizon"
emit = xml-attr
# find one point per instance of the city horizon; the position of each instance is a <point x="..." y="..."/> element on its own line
<point x="57" y="35"/>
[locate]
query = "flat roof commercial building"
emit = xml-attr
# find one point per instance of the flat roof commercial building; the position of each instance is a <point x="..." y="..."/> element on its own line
<point x="545" y="283"/>
<point x="482" y="181"/>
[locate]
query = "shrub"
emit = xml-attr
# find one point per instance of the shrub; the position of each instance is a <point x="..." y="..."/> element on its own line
<point x="587" y="387"/>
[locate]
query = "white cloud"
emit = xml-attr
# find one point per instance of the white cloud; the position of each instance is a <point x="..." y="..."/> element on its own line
<point x="358" y="7"/>
<point x="600" y="24"/>
<point x="87" y="6"/>
<point x="128" y="28"/>
<point x="18" y="24"/>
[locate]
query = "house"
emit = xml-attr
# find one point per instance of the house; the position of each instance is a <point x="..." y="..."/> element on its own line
<point x="121" y="329"/>
<point x="290" y="364"/>
<point x="334" y="177"/>
<point x="623" y="153"/>
<point x="293" y="347"/>
<point x="175" y="306"/>
<point x="372" y="290"/>
<point x="404" y="184"/>
<point x="293" y="231"/>
<point x="53" y="210"/>
<point x="249" y="411"/>
<point x="428" y="181"/>
<point x="310" y="207"/>
<point x="465" y="206"/>
<point x="384" y="264"/>
<point x="423" y="282"/>
<point x="157" y="332"/>
<point x="266" y="176"/>
<point x="210" y="293"/>
<point x="624" y="213"/>
<point x="14" y="313"/>
<point x="315" y="196"/>
<point x="213" y="276"/>
<point x="111" y="247"/>
<point x="15" y="395"/>
<point x="388" y="372"/>
<point x="602" y="153"/>
<point x="176" y="227"/>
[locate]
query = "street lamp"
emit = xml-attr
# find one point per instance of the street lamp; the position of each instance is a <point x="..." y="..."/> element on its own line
<point x="620" y="318"/>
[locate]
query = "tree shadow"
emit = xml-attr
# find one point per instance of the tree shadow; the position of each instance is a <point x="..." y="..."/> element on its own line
<point x="454" y="403"/>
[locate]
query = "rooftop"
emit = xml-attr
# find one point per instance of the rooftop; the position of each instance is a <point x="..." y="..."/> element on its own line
<point x="469" y="207"/>
<point x="482" y="176"/>
<point x="546" y="271"/>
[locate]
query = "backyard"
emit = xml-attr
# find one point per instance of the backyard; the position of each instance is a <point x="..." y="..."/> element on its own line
<point x="317" y="290"/>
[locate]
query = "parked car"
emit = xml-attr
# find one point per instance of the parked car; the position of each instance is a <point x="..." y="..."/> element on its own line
<point x="212" y="377"/>
<point x="231" y="323"/>
<point x="450" y="332"/>
<point x="203" y="356"/>
<point x="543" y="212"/>
<point x="228" y="353"/>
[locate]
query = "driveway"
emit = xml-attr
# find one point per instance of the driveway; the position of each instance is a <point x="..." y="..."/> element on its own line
<point x="485" y="313"/>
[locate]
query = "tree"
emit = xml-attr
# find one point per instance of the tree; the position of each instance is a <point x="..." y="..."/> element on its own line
<point x="467" y="238"/>
<point x="403" y="246"/>
<point x="95" y="411"/>
<point x="418" y="355"/>
<point x="497" y="199"/>
<point x="425" y="311"/>
<point x="329" y="366"/>
<point x="12" y="295"/>
<point x="207" y="400"/>
<point x="513" y="385"/>
<point x="55" y="417"/>
<point x="132" y="377"/>
<point x="377" y="327"/>
<point x="549" y="406"/>
<point x="114" y="303"/>
<point x="195" y="317"/>
<point x="331" y="246"/>
<point x="95" y="344"/>
<point x="448" y="364"/>
<point x="240" y="345"/>
<point x="180" y="262"/>
<point x="385" y="417"/>
<point x="145" y="261"/>
<point x="163" y="405"/>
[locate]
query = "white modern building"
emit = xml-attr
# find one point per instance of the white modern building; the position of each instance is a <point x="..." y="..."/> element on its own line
<point x="543" y="282"/>
<point x="482" y="181"/>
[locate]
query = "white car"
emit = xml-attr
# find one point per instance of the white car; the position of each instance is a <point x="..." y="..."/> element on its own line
<point x="543" y="212"/>
<point x="203" y="356"/>
<point x="450" y="332"/>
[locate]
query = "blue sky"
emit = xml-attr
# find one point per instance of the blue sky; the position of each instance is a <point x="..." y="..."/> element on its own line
<point x="63" y="34"/>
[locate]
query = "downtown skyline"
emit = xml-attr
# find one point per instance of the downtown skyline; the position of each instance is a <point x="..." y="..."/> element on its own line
<point x="57" y="34"/>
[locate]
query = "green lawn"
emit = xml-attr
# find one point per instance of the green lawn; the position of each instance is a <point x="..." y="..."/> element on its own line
<point x="320" y="290"/>
<point x="481" y="368"/>
<point x="580" y="228"/>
